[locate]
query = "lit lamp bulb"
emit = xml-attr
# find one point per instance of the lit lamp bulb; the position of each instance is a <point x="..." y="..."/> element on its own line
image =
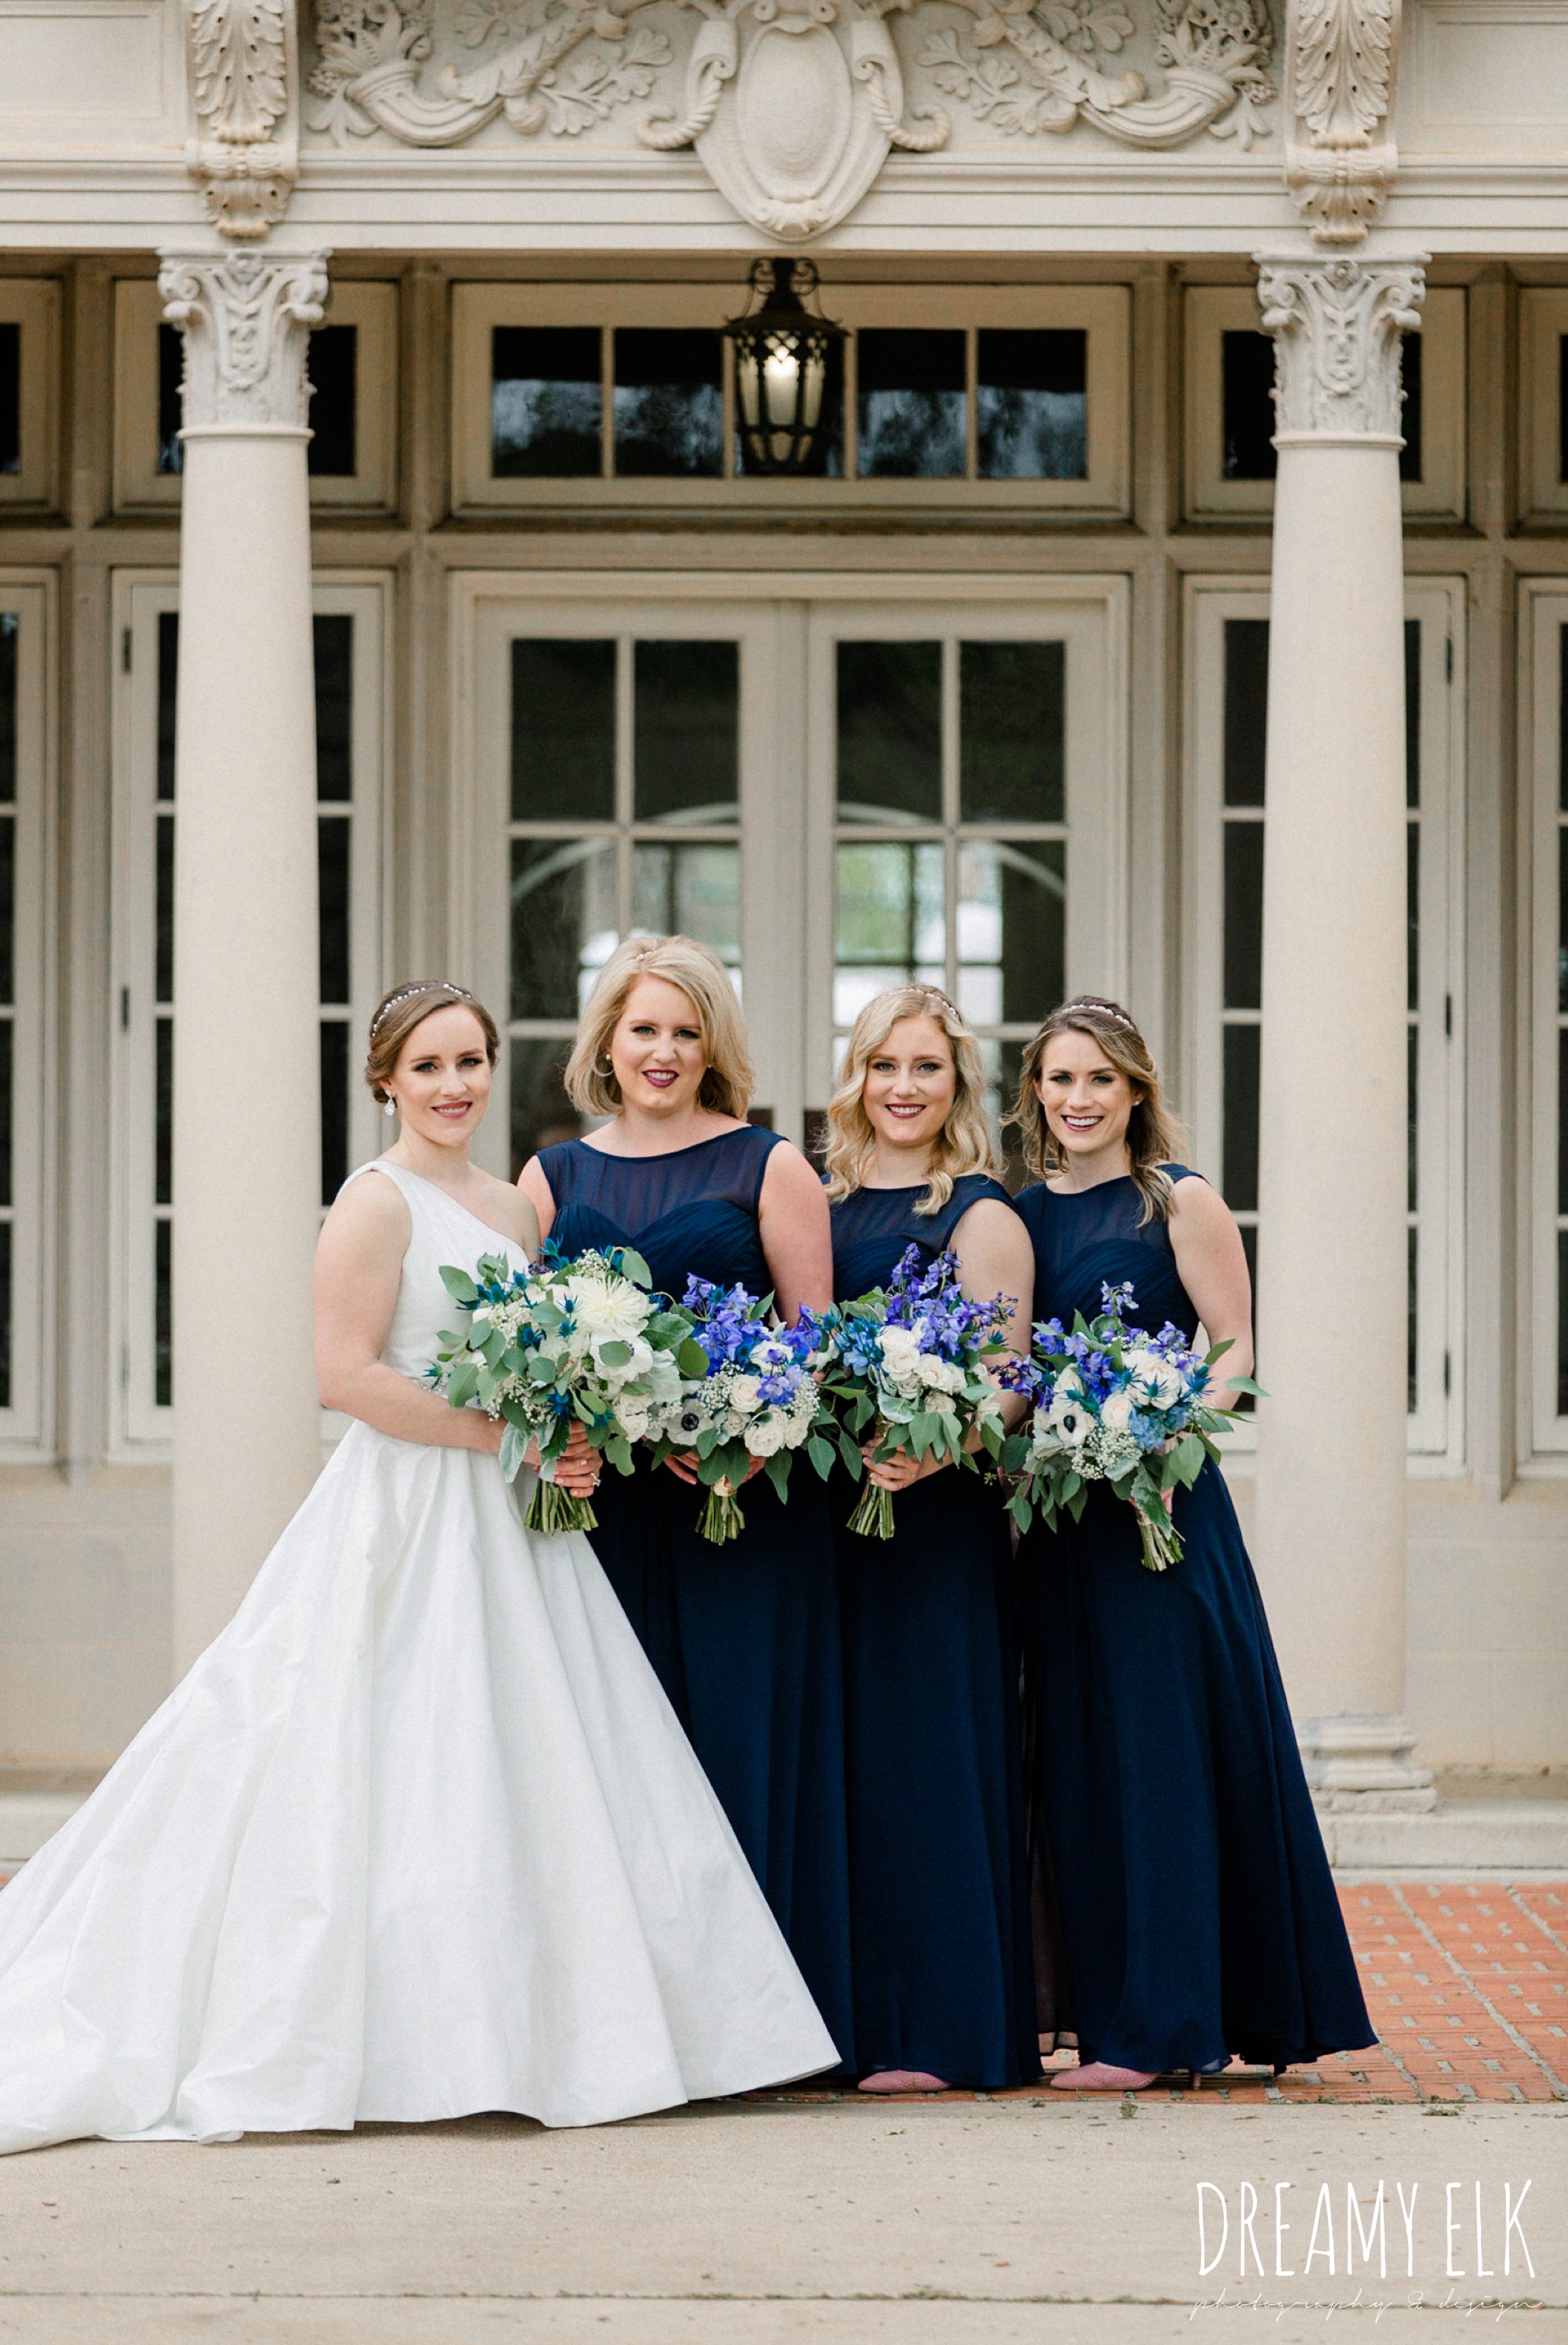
<point x="783" y="353"/>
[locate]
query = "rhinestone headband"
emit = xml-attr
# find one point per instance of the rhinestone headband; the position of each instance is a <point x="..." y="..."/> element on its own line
<point x="1106" y="1010"/>
<point x="438" y="985"/>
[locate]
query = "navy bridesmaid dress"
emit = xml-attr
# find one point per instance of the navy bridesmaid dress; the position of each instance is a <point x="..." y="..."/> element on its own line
<point x="944" y="1977"/>
<point x="1198" y="1916"/>
<point x="745" y="1637"/>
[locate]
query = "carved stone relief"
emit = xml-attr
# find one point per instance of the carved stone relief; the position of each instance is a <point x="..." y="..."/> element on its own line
<point x="792" y="106"/>
<point x="243" y="80"/>
<point x="1340" y="161"/>
<point x="245" y="319"/>
<point x="1337" y="326"/>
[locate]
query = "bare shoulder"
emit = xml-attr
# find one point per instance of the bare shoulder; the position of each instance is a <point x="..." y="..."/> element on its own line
<point x="788" y="1178"/>
<point x="990" y="1219"/>
<point x="367" y="1214"/>
<point x="1198" y="1211"/>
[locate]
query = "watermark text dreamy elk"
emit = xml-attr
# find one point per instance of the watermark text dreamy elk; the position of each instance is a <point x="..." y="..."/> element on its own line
<point x="1365" y="2229"/>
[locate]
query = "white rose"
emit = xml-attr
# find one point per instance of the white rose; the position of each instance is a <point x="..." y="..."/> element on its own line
<point x="635" y="1415"/>
<point x="765" y="1435"/>
<point x="1115" y="1412"/>
<point x="901" y="1358"/>
<point x="744" y="1393"/>
<point x="940" y="1375"/>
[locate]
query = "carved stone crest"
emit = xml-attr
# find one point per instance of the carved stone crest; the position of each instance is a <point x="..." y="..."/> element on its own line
<point x="792" y="106"/>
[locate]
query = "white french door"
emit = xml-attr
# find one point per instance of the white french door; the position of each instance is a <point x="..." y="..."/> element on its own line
<point x="837" y="790"/>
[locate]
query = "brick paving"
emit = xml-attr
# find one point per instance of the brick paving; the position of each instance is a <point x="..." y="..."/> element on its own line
<point x="1467" y="1986"/>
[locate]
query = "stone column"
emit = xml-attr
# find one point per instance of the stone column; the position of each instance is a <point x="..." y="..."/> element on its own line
<point x="247" y="1101"/>
<point x="1332" y="1249"/>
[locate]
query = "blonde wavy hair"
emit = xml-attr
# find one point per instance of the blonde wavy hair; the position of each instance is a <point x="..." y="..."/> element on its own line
<point x="730" y="1079"/>
<point x="963" y="1145"/>
<point x="1154" y="1136"/>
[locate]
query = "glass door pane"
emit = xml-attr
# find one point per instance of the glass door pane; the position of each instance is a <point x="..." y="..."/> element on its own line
<point x="958" y="751"/>
<point x="624" y="752"/>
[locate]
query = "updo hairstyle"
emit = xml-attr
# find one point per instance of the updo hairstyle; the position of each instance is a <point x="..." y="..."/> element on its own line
<point x="398" y="1014"/>
<point x="730" y="1078"/>
<point x="1154" y="1137"/>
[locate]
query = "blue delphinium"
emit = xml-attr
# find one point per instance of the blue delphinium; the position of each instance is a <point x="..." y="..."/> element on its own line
<point x="1109" y="1402"/>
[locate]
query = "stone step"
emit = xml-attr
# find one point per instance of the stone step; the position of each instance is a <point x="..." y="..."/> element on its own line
<point x="1473" y="1837"/>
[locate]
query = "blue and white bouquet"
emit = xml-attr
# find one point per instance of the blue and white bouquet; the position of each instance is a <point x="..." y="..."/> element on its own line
<point x="1111" y="1403"/>
<point x="905" y="1364"/>
<point x="567" y="1341"/>
<point x="747" y="1392"/>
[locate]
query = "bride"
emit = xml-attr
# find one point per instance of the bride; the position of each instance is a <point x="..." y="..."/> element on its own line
<point x="420" y="1834"/>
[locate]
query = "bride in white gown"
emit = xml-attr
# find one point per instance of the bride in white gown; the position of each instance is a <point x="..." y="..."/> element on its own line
<point x="420" y="1834"/>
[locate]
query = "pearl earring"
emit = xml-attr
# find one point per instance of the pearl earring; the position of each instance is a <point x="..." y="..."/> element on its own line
<point x="389" y="1107"/>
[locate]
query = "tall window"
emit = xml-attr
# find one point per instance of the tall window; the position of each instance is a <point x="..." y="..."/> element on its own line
<point x="624" y="760"/>
<point x="1547" y="1306"/>
<point x="1228" y="715"/>
<point x="950" y="866"/>
<point x="347" y="661"/>
<point x="23" y="1411"/>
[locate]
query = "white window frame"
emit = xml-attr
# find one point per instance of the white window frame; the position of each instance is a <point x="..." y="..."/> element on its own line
<point x="787" y="793"/>
<point x="28" y="1427"/>
<point x="1542" y="1432"/>
<point x="1090" y="616"/>
<point x="1543" y="322"/>
<point x="1436" y="1426"/>
<point x="1213" y="310"/>
<point x="33" y="304"/>
<point x="140" y="1428"/>
<point x="370" y="306"/>
<point x="488" y="611"/>
<point x="1102" y="312"/>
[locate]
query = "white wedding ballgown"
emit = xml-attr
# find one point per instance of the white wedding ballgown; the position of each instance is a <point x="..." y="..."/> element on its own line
<point x="419" y="1835"/>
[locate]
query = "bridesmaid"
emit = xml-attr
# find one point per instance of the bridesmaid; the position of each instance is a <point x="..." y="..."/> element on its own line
<point x="744" y="1637"/>
<point x="944" y="1980"/>
<point x="1197" y="1911"/>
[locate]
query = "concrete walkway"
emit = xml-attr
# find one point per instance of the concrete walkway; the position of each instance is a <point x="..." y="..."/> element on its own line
<point x="829" y="2224"/>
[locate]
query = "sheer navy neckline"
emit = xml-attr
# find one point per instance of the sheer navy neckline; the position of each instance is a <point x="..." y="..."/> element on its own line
<point x="661" y="1155"/>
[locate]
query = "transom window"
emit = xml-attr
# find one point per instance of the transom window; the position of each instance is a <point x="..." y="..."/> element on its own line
<point x="626" y="392"/>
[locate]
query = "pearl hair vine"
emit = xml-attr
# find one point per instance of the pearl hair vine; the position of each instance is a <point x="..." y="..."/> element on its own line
<point x="439" y="985"/>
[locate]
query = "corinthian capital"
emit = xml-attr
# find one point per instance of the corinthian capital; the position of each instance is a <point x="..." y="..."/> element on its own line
<point x="245" y="318"/>
<point x="1337" y="326"/>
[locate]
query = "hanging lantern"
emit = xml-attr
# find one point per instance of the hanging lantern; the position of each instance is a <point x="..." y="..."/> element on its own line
<point x="786" y="371"/>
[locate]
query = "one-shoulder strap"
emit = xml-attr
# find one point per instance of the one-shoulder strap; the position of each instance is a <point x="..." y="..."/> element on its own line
<point x="395" y="1175"/>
